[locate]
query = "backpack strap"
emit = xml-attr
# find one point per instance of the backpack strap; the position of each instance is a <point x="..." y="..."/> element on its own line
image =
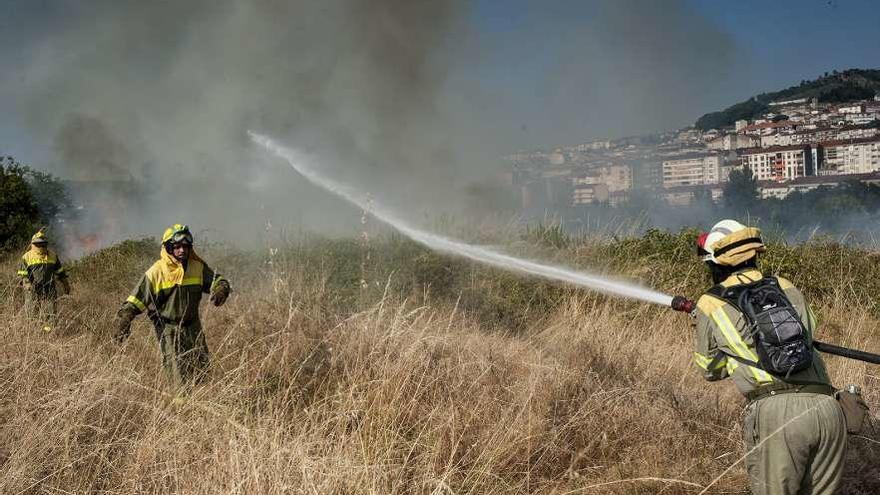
<point x="717" y="290"/>
<point x="747" y="362"/>
<point x="725" y="294"/>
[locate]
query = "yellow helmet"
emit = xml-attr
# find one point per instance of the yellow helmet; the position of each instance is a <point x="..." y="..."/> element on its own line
<point x="40" y="238"/>
<point x="731" y="243"/>
<point x="177" y="233"/>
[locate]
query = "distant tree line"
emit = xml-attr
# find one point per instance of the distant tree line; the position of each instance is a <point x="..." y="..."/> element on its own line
<point x="29" y="199"/>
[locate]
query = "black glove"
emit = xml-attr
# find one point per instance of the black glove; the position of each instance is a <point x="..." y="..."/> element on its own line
<point x="123" y="324"/>
<point x="66" y="286"/>
<point x="220" y="294"/>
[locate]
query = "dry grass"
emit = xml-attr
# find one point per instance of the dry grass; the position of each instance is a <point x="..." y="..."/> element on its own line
<point x="401" y="391"/>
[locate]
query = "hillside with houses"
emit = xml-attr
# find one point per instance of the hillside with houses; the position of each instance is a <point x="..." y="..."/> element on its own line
<point x="818" y="134"/>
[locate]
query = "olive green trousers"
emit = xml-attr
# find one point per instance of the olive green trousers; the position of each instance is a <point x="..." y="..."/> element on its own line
<point x="795" y="444"/>
<point x="184" y="352"/>
<point x="41" y="307"/>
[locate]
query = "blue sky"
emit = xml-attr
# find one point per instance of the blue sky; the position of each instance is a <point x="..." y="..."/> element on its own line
<point x="792" y="40"/>
<point x="524" y="74"/>
<point x="727" y="52"/>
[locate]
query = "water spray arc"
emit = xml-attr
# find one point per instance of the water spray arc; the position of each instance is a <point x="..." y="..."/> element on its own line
<point x="504" y="261"/>
<point x="443" y="244"/>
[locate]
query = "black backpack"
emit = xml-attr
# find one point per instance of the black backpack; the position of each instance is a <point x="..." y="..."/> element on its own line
<point x="781" y="340"/>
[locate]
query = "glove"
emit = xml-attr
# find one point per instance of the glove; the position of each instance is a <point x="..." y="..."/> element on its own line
<point x="65" y="284"/>
<point x="123" y="324"/>
<point x="220" y="294"/>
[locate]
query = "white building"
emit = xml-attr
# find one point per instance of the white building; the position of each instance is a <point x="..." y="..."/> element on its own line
<point x="860" y="118"/>
<point x="787" y="103"/>
<point x="585" y="193"/>
<point x="778" y="139"/>
<point x="691" y="170"/>
<point x="851" y="156"/>
<point x="730" y="142"/>
<point x="763" y="127"/>
<point x="778" y="163"/>
<point x="851" y="109"/>
<point x="601" y="184"/>
<point x="593" y="146"/>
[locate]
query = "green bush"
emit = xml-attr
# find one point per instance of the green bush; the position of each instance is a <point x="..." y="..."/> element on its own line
<point x="19" y="214"/>
<point x="29" y="199"/>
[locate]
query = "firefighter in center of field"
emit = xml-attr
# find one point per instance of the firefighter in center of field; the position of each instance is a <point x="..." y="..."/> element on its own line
<point x="170" y="292"/>
<point x="758" y="330"/>
<point x="39" y="269"/>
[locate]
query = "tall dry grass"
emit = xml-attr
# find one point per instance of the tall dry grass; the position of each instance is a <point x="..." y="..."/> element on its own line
<point x="319" y="385"/>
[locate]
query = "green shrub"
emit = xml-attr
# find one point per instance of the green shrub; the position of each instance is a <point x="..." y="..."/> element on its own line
<point x="19" y="214"/>
<point x="29" y="199"/>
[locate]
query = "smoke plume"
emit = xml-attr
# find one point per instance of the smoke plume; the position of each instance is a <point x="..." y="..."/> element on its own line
<point x="413" y="100"/>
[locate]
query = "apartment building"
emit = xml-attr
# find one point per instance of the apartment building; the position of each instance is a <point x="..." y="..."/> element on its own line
<point x="601" y="184"/>
<point x="850" y="156"/>
<point x="779" y="163"/>
<point x="730" y="142"/>
<point x="691" y="170"/>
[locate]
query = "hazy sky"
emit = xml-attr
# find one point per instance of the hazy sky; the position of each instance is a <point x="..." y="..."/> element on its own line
<point x="413" y="100"/>
<point x="579" y="68"/>
<point x="537" y="71"/>
<point x="520" y="52"/>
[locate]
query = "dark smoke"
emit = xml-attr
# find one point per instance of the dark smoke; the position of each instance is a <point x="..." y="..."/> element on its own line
<point x="162" y="93"/>
<point x="401" y="97"/>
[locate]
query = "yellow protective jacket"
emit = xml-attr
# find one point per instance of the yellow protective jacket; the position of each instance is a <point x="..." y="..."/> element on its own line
<point x="40" y="268"/>
<point x="721" y="332"/>
<point x="173" y="291"/>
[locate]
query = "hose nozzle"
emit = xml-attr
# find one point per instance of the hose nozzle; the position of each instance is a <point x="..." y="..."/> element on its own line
<point x="683" y="304"/>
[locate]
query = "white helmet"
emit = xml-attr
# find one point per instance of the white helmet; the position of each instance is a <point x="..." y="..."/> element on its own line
<point x="730" y="243"/>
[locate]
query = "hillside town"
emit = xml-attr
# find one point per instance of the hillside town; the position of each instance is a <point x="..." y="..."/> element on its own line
<point x="798" y="145"/>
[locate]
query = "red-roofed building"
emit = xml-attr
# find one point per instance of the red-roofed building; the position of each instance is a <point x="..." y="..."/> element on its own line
<point x="766" y="128"/>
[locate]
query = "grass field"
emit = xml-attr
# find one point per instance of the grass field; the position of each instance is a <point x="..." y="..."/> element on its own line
<point x="343" y="366"/>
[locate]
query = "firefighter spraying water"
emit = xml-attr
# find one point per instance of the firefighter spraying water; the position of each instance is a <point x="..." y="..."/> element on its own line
<point x="301" y="164"/>
<point x="755" y="329"/>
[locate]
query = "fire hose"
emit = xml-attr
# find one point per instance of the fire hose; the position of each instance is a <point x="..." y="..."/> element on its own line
<point x="685" y="305"/>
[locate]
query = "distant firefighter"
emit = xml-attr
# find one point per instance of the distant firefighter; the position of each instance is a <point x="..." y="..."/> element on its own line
<point x="39" y="269"/>
<point x="170" y="292"/>
<point x="758" y="330"/>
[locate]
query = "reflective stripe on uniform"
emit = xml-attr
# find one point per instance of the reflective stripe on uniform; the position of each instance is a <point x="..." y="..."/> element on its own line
<point x="192" y="281"/>
<point x="23" y="273"/>
<point x="40" y="262"/>
<point x="160" y="281"/>
<point x="704" y="362"/>
<point x="31" y="259"/>
<point x="168" y="285"/>
<point x="137" y="302"/>
<point x="735" y="341"/>
<point x="732" y="365"/>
